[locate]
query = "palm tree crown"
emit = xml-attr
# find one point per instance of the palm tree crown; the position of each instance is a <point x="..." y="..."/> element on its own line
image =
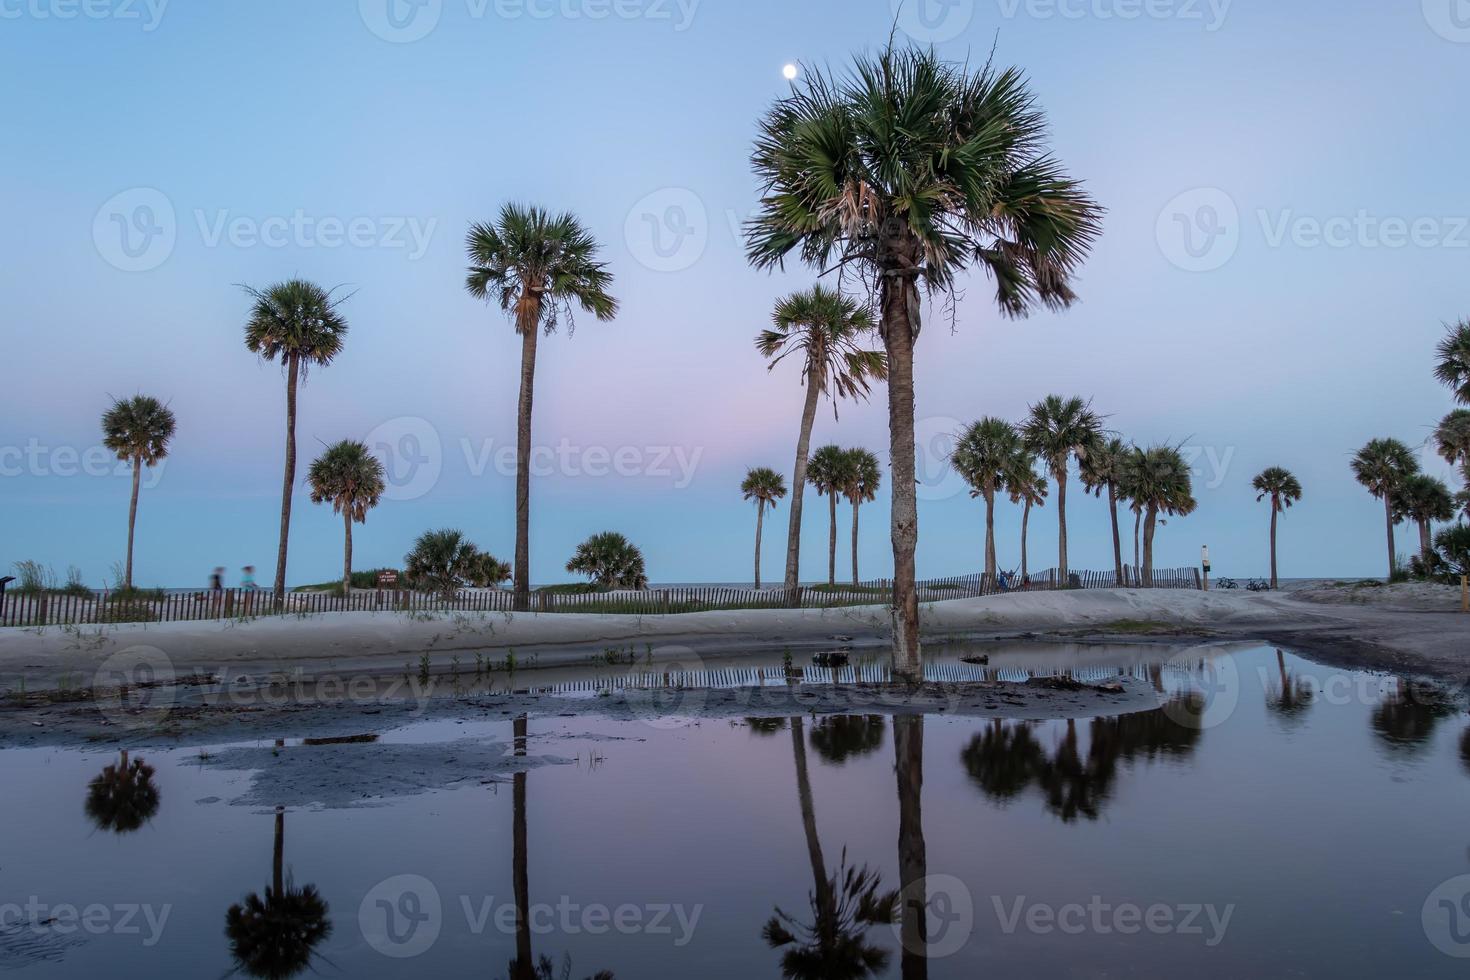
<point x="829" y="470"/>
<point x="1280" y="485"/>
<point x="764" y="485"/>
<point x="1059" y="428"/>
<point x="1453" y="368"/>
<point x="988" y="455"/>
<point x="349" y="477"/>
<point x="1161" y="481"/>
<point x="537" y="266"/>
<point x="1424" y="498"/>
<point x="611" y="561"/>
<point x="863" y="476"/>
<point x="826" y="330"/>
<point x="297" y="321"/>
<point x="1382" y="466"/>
<point x="138" y="428"/>
<point x="1452" y="437"/>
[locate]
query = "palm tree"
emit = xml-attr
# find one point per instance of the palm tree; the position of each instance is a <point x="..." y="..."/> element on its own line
<point x="1101" y="469"/>
<point x="1382" y="466"/>
<point x="829" y="471"/>
<point x="864" y="476"/>
<point x="275" y="936"/>
<point x="904" y="173"/>
<point x="123" y="797"/>
<point x="1161" y="484"/>
<point x="443" y="562"/>
<point x="536" y="267"/>
<point x="1029" y="488"/>
<point x="1424" y="499"/>
<point x="1284" y="489"/>
<point x="300" y="323"/>
<point x="1058" y="429"/>
<point x="1452" y="437"/>
<point x="765" y="486"/>
<point x="1453" y="368"/>
<point x="611" y="561"/>
<point x="137" y="430"/>
<point x="826" y="331"/>
<point x="988" y="455"/>
<point x="352" y="478"/>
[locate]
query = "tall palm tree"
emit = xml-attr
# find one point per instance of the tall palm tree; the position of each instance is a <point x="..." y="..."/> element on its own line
<point x="1453" y="368"/>
<point x="826" y="331"/>
<point x="1424" y="499"/>
<point x="765" y="486"/>
<point x="864" y="477"/>
<point x="352" y="479"/>
<point x="1101" y="470"/>
<point x="1161" y="485"/>
<point x="138" y="430"/>
<point x="1284" y="489"/>
<point x="1382" y="466"/>
<point x="1452" y="437"/>
<point x="537" y="267"/>
<point x="904" y="173"/>
<point x="1028" y="488"/>
<point x="1058" y="429"/>
<point x="828" y="471"/>
<point x="988" y="455"/>
<point x="300" y="323"/>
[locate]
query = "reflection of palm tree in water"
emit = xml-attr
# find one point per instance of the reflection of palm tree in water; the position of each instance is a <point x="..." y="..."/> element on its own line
<point x="913" y="860"/>
<point x="838" y="738"/>
<point x="844" y="905"/>
<point x="123" y="797"/>
<point x="275" y="937"/>
<point x="1291" y="697"/>
<point x="525" y="966"/>
<point x="1006" y="760"/>
<point x="1406" y="717"/>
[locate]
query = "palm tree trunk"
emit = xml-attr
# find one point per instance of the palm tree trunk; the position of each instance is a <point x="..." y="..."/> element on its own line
<point x="913" y="863"/>
<point x="1424" y="542"/>
<point x="293" y="374"/>
<point x="520" y="872"/>
<point x="798" y="484"/>
<point x="760" y="520"/>
<point x="1025" y="524"/>
<point x="278" y="855"/>
<point x="820" y="879"/>
<point x="347" y="555"/>
<point x="1117" y="541"/>
<point x="1392" y="558"/>
<point x="990" y="534"/>
<point x="1148" y="545"/>
<point x="1137" y="520"/>
<point x="1061" y="477"/>
<point x="1274" y="513"/>
<point x="529" y="325"/>
<point x="832" y="541"/>
<point x="855" y="505"/>
<point x="132" y="521"/>
<point x="900" y="303"/>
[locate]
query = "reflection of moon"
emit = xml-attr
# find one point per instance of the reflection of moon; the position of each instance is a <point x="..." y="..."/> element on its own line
<point x="789" y="71"/>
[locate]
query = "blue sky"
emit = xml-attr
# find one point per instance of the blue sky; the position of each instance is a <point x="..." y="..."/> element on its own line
<point x="1286" y="236"/>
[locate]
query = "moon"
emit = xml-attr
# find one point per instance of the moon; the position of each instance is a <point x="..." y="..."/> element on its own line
<point x="790" y="72"/>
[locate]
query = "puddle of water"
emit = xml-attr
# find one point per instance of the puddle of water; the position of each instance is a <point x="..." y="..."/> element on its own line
<point x="1274" y="817"/>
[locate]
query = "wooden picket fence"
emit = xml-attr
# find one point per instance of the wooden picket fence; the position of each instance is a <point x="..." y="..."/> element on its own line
<point x="54" y="609"/>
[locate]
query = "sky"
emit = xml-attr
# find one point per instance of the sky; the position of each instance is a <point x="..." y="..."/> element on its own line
<point x="1287" y="234"/>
